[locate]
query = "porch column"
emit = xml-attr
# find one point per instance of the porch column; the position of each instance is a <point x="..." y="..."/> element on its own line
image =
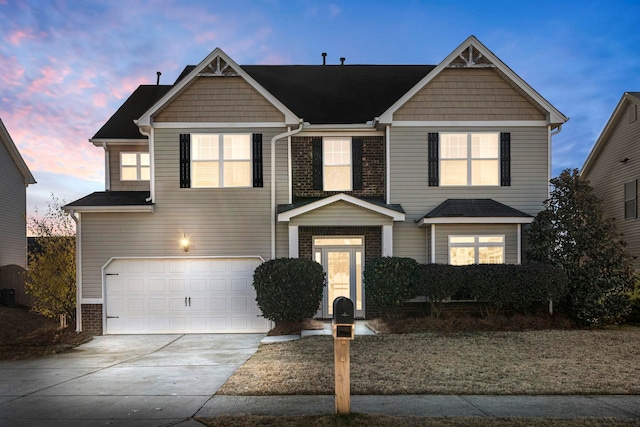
<point x="293" y="241"/>
<point x="387" y="240"/>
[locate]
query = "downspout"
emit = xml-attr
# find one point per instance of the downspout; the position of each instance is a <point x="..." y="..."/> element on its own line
<point x="273" y="181"/>
<point x="551" y="134"/>
<point x="107" y="170"/>
<point x="152" y="164"/>
<point x="78" y="271"/>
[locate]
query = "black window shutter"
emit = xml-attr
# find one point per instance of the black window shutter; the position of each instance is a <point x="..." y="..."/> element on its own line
<point x="505" y="159"/>
<point x="317" y="163"/>
<point x="356" y="163"/>
<point x="257" y="160"/>
<point x="433" y="160"/>
<point x="185" y="160"/>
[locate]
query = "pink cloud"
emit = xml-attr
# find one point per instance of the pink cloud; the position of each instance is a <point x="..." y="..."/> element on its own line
<point x="206" y="37"/>
<point x="13" y="71"/>
<point x="16" y="37"/>
<point x="50" y="77"/>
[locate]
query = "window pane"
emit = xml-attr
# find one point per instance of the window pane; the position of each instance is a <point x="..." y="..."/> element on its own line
<point x="453" y="172"/>
<point x="205" y="147"/>
<point x="454" y="146"/>
<point x="462" y="256"/>
<point x="347" y="241"/>
<point x="145" y="173"/>
<point x="484" y="172"/>
<point x="462" y="239"/>
<point x="490" y="255"/>
<point x="144" y="159"/>
<point x="237" y="174"/>
<point x="358" y="280"/>
<point x="205" y="174"/>
<point x="484" y="145"/>
<point x="237" y="147"/>
<point x="491" y="239"/>
<point x="337" y="151"/>
<point x="129" y="173"/>
<point x="337" y="178"/>
<point x="129" y="159"/>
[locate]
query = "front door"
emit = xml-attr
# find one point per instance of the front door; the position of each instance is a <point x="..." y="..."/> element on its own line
<point x="342" y="259"/>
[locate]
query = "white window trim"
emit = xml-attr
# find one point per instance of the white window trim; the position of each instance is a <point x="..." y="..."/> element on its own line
<point x="476" y="245"/>
<point x="221" y="161"/>
<point x="324" y="162"/>
<point x="138" y="166"/>
<point x="469" y="159"/>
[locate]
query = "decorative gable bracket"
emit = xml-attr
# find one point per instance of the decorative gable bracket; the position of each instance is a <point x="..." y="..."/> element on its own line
<point x="218" y="68"/>
<point x="470" y="59"/>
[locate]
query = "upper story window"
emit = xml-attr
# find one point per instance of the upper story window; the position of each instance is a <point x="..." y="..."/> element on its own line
<point x="135" y="166"/>
<point x="221" y="160"/>
<point x="469" y="159"/>
<point x="465" y="250"/>
<point x="337" y="158"/>
<point x="630" y="200"/>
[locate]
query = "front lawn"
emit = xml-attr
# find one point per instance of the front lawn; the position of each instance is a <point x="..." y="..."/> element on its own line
<point x="529" y="362"/>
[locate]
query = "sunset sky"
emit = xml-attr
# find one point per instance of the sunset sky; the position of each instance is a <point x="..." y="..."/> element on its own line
<point x="66" y="66"/>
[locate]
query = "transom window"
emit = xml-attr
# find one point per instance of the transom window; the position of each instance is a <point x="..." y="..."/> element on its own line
<point x="219" y="160"/>
<point x="469" y="158"/>
<point x="135" y="167"/>
<point x="465" y="250"/>
<point x="337" y="164"/>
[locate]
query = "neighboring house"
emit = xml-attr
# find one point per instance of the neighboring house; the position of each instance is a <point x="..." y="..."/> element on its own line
<point x="14" y="179"/>
<point x="613" y="168"/>
<point x="336" y="163"/>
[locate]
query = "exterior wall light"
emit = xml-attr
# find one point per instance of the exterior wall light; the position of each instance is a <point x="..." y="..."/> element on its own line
<point x="184" y="243"/>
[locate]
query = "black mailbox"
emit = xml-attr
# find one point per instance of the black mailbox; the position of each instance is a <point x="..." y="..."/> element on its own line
<point x="343" y="311"/>
<point x="343" y="318"/>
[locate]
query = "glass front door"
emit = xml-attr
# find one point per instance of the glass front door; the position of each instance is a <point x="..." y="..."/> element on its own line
<point x="342" y="260"/>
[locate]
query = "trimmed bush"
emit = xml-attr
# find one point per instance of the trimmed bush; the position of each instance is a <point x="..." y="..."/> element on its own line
<point x="510" y="286"/>
<point x="289" y="289"/>
<point x="390" y="281"/>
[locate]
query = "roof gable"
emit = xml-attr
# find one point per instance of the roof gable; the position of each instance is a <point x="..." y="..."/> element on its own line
<point x="626" y="99"/>
<point x="473" y="54"/>
<point x="216" y="64"/>
<point x="15" y="155"/>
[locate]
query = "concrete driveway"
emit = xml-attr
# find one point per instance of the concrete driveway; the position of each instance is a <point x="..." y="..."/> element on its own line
<point x="124" y="380"/>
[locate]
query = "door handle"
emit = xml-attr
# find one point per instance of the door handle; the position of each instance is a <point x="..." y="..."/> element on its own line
<point x="189" y="301"/>
<point x="185" y="301"/>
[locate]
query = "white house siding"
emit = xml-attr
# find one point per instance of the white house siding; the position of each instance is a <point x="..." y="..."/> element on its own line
<point x="341" y="214"/>
<point x="114" y="168"/>
<point x="608" y="175"/>
<point x="443" y="231"/>
<point x="13" y="193"/>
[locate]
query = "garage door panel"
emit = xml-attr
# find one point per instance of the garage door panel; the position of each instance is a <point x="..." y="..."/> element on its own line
<point x="182" y="296"/>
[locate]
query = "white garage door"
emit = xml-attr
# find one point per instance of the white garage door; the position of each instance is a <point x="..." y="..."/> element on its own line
<point x="182" y="295"/>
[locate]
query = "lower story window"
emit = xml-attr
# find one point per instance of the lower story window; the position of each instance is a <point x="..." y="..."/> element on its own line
<point x="465" y="250"/>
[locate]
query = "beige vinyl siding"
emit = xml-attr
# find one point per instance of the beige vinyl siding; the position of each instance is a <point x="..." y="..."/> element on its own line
<point x="409" y="171"/>
<point x="219" y="99"/>
<point x="341" y="214"/>
<point x="217" y="221"/>
<point x="410" y="241"/>
<point x="469" y="94"/>
<point x="282" y="240"/>
<point x="114" y="168"/>
<point x="13" y="193"/>
<point x="443" y="231"/>
<point x="608" y="176"/>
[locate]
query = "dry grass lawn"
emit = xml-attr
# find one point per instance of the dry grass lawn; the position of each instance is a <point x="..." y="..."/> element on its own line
<point x="501" y="363"/>
<point x="362" y="420"/>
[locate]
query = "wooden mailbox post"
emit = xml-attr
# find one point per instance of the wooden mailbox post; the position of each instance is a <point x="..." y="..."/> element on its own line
<point x="343" y="328"/>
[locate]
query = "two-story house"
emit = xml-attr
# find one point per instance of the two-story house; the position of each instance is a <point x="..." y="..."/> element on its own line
<point x="15" y="177"/>
<point x="613" y="168"/>
<point x="232" y="165"/>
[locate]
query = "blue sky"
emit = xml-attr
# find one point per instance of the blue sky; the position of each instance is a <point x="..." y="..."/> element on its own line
<point x="66" y="66"/>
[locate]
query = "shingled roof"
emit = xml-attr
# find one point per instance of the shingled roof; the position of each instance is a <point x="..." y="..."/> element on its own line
<point x="474" y="208"/>
<point x="319" y="94"/>
<point x="126" y="200"/>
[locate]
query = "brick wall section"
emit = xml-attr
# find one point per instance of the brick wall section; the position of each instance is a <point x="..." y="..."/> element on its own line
<point x="373" y="168"/>
<point x="372" y="249"/>
<point x="92" y="319"/>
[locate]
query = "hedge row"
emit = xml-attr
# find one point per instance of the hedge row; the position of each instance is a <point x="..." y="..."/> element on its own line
<point x="391" y="281"/>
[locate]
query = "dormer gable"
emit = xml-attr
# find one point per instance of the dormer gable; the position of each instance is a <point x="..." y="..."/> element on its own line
<point x="473" y="64"/>
<point x="11" y="148"/>
<point x="208" y="88"/>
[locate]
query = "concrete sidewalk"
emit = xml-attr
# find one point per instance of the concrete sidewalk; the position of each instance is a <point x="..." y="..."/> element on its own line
<point x="563" y="407"/>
